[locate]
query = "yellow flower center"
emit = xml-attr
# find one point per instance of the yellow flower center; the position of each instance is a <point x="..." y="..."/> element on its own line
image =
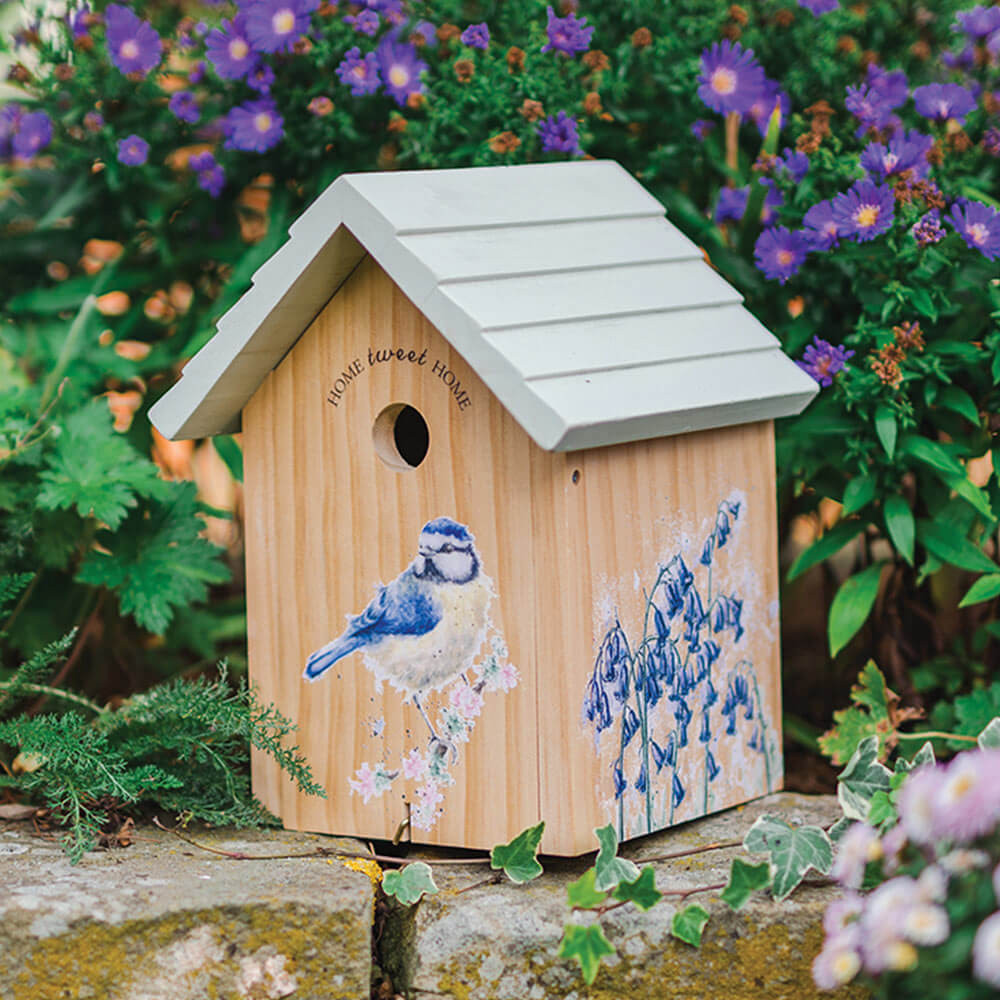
<point x="977" y="233"/>
<point x="238" y="49"/>
<point x="867" y="216"/>
<point x="360" y="71"/>
<point x="723" y="81"/>
<point x="846" y="966"/>
<point x="283" y="21"/>
<point x="130" y="49"/>
<point x="398" y="76"/>
<point x="262" y="121"/>
<point x="785" y="257"/>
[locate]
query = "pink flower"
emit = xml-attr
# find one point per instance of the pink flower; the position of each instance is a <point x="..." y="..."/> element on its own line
<point x="414" y="766"/>
<point x="926" y="924"/>
<point x="364" y="783"/>
<point x="466" y="701"/>
<point x="507" y="677"/>
<point x="986" y="951"/>
<point x="968" y="799"/>
<point x="917" y="804"/>
<point x="859" y="845"/>
<point x="838" y="963"/>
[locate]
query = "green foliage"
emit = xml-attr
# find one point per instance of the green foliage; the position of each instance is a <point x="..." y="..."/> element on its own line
<point x="588" y="945"/>
<point x="869" y="715"/>
<point x="793" y="851"/>
<point x="852" y="606"/>
<point x="609" y="869"/>
<point x="410" y="883"/>
<point x="688" y="924"/>
<point x="744" y="880"/>
<point x="581" y="894"/>
<point x="642" y="891"/>
<point x="519" y="859"/>
<point x="862" y="779"/>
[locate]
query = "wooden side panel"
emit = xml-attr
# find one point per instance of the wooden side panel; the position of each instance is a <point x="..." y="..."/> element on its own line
<point x="329" y="520"/>
<point x="615" y="540"/>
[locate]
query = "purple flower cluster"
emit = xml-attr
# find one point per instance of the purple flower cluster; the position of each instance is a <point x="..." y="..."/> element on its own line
<point x="905" y="153"/>
<point x="946" y="812"/>
<point x="133" y="151"/>
<point x="822" y="360"/>
<point x="400" y="68"/>
<point x="184" y="107"/>
<point x="979" y="23"/>
<point x="928" y="229"/>
<point x="731" y="79"/>
<point x="559" y="135"/>
<point x="567" y="35"/>
<point x="133" y="44"/>
<point x="211" y="177"/>
<point x="819" y="7"/>
<point x="476" y="36"/>
<point x="23" y="133"/>
<point x="276" y="25"/>
<point x="360" y="73"/>
<point x="366" y="22"/>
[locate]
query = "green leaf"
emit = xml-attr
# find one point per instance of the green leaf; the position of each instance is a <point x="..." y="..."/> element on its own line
<point x="951" y="546"/>
<point x="881" y="810"/>
<point x="984" y="589"/>
<point x="230" y="453"/>
<point x="859" y="493"/>
<point x="793" y="851"/>
<point x="587" y="945"/>
<point x="886" y="428"/>
<point x="582" y="895"/>
<point x="852" y="605"/>
<point x="976" y="710"/>
<point x="519" y="858"/>
<point x="409" y="883"/>
<point x="867" y="716"/>
<point x="959" y="401"/>
<point x="641" y="891"/>
<point x="744" y="880"/>
<point x="925" y="755"/>
<point x="861" y="779"/>
<point x="830" y="544"/>
<point x="688" y="924"/>
<point x="610" y="869"/>
<point x="921" y="299"/>
<point x="989" y="738"/>
<point x="930" y="453"/>
<point x="901" y="525"/>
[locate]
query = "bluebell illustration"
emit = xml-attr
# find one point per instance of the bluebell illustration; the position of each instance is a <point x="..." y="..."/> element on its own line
<point x="687" y="658"/>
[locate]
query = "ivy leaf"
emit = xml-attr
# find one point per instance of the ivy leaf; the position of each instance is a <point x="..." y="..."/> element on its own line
<point x="744" y="880"/>
<point x="837" y="831"/>
<point x="881" y="810"/>
<point x="984" y="589"/>
<point x="989" y="738"/>
<point x="95" y="471"/>
<point x="409" y="883"/>
<point x="901" y="525"/>
<point x="609" y="869"/>
<point x="156" y="561"/>
<point x="852" y="605"/>
<point x="587" y="945"/>
<point x="863" y="777"/>
<point x="519" y="858"/>
<point x="830" y="544"/>
<point x="689" y="923"/>
<point x="581" y="894"/>
<point x="886" y="428"/>
<point x="793" y="851"/>
<point x="641" y="891"/>
<point x="925" y="755"/>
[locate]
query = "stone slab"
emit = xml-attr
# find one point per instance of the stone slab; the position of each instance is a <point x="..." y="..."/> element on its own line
<point x="500" y="942"/>
<point x="162" y="920"/>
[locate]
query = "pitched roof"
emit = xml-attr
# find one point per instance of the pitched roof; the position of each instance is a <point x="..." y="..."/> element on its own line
<point x="590" y="317"/>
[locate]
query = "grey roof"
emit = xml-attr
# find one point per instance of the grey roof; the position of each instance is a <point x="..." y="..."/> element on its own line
<point x="590" y="317"/>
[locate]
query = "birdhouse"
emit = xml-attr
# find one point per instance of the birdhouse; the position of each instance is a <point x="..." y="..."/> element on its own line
<point x="511" y="538"/>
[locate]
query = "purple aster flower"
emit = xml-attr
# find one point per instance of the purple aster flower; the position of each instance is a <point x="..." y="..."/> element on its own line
<point x="821" y="229"/>
<point x="773" y="200"/>
<point x="133" y="44"/>
<point x="822" y="360"/>
<point x="276" y="25"/>
<point x="10" y="120"/>
<point x="80" y="21"/>
<point x="976" y="223"/>
<point x="964" y="60"/>
<point x="928" y="229"/>
<point x="183" y="105"/>
<point x="771" y="97"/>
<point x="904" y="153"/>
<point x="559" y="135"/>
<point x="427" y="32"/>
<point x="991" y="141"/>
<point x="93" y="121"/>
<point x="212" y="180"/>
<point x="819" y="7"/>
<point x="870" y="108"/>
<point x="201" y="161"/>
<point x="476" y="36"/>
<point x="260" y="78"/>
<point x="400" y="68"/>
<point x="889" y="86"/>
<point x="254" y="127"/>
<point x="360" y="74"/>
<point x="34" y="133"/>
<point x="568" y="34"/>
<point x="978" y="22"/>
<point x="793" y="163"/>
<point x="229" y="49"/>
<point x="701" y="128"/>
<point x="133" y="151"/>
<point x="732" y="204"/>
<point x="865" y="210"/>
<point x="731" y="79"/>
<point x="993" y="44"/>
<point x="366" y="22"/>
<point x="941" y="101"/>
<point x="197" y="72"/>
<point x="779" y="253"/>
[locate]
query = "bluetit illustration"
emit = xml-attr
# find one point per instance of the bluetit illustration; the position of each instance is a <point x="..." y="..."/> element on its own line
<point x="686" y="657"/>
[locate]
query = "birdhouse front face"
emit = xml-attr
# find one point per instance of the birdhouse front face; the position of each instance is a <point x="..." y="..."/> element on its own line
<point x="473" y="633"/>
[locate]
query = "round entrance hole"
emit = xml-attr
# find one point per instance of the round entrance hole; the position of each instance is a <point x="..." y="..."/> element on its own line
<point x="401" y="436"/>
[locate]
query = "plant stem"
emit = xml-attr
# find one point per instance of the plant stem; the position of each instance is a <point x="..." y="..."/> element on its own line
<point x="51" y="692"/>
<point x="933" y="734"/>
<point x="717" y="846"/>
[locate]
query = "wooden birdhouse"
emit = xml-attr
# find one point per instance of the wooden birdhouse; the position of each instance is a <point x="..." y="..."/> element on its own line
<point x="510" y="508"/>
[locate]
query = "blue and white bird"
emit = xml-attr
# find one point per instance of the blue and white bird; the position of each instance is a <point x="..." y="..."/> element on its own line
<point x="423" y="630"/>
